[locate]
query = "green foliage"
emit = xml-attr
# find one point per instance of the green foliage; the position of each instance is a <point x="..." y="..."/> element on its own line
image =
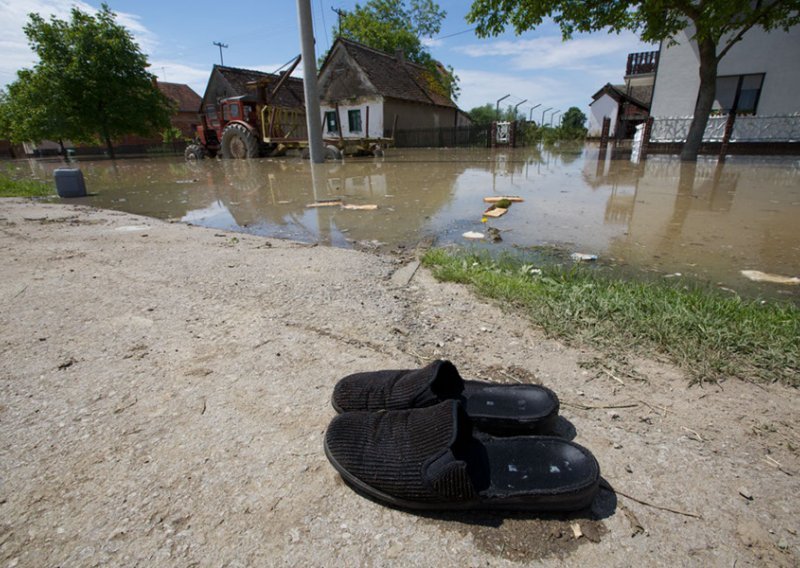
<point x="486" y="114"/>
<point x="710" y="335"/>
<point x="717" y="25"/>
<point x="91" y="82"/>
<point x="12" y="187"/>
<point x="389" y="25"/>
<point x="573" y="119"/>
<point x="654" y="20"/>
<point x="171" y="134"/>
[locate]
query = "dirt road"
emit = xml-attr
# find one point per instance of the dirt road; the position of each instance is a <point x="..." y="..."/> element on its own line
<point x="164" y="390"/>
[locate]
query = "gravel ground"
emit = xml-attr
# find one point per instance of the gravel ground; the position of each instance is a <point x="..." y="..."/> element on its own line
<point x="164" y="390"/>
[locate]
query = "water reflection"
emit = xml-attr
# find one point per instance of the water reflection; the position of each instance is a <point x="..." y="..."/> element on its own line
<point x="709" y="219"/>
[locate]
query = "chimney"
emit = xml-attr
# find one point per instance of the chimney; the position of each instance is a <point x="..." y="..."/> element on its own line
<point x="399" y="55"/>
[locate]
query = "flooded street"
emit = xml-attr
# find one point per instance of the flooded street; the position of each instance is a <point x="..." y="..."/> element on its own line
<point x="707" y="221"/>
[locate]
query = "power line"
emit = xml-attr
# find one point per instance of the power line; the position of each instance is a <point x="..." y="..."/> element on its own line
<point x="455" y="34"/>
<point x="324" y="23"/>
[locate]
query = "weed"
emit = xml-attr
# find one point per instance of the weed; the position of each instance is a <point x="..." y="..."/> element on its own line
<point x="709" y="335"/>
<point x="11" y="187"/>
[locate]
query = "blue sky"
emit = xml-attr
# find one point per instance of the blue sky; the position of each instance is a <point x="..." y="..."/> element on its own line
<point x="178" y="36"/>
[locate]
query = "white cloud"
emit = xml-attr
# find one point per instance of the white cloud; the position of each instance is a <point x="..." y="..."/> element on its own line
<point x="480" y="87"/>
<point x="175" y="72"/>
<point x="551" y="52"/>
<point x="14" y="45"/>
<point x="432" y="42"/>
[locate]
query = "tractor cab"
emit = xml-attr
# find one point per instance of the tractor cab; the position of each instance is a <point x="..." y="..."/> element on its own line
<point x="217" y="117"/>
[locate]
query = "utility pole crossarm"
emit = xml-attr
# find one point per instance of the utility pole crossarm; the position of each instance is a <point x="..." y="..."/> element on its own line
<point x="220" y="45"/>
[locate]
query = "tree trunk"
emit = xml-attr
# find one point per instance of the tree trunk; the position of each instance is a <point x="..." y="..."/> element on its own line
<point x="109" y="146"/>
<point x="705" y="100"/>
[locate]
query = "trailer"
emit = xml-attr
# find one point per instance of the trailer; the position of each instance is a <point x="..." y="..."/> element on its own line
<point x="256" y="125"/>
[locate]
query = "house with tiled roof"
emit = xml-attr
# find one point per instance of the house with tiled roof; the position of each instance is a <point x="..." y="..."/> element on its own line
<point x="187" y="106"/>
<point x="365" y="91"/>
<point x="623" y="109"/>
<point x="628" y="104"/>
<point x="227" y="82"/>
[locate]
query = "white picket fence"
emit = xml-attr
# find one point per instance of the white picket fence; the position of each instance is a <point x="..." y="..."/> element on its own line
<point x="773" y="128"/>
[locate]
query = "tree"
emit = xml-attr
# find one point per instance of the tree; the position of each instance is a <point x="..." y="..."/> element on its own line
<point x="391" y="25"/>
<point x="715" y="25"/>
<point x="484" y="114"/>
<point x="573" y="119"/>
<point x="91" y="81"/>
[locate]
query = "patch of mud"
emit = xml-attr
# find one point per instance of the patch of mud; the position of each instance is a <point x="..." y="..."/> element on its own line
<point x="518" y="537"/>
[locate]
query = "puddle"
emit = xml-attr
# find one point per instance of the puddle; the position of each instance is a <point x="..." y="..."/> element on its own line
<point x="707" y="221"/>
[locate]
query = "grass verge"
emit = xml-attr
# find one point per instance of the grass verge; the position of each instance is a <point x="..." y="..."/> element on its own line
<point x="709" y="335"/>
<point x="10" y="187"/>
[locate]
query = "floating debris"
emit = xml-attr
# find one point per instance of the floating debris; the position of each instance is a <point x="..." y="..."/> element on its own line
<point x="581" y="256"/>
<point x="495" y="212"/>
<point x="473" y="235"/>
<point x="494" y="234"/>
<point x="360" y="207"/>
<point x="758" y="276"/>
<point x="509" y="198"/>
<point x="334" y="203"/>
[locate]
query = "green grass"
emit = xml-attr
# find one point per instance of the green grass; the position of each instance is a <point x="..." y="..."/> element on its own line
<point x="709" y="335"/>
<point x="11" y="187"/>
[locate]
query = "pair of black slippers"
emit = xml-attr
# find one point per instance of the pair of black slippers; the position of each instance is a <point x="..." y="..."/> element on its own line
<point x="427" y="439"/>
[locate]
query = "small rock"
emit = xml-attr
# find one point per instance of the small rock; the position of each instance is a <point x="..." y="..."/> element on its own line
<point x="617" y="446"/>
<point x="782" y="544"/>
<point x="744" y="492"/>
<point x="613" y="415"/>
<point x="628" y="468"/>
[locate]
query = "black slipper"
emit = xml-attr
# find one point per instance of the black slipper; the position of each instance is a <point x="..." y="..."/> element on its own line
<point x="502" y="410"/>
<point x="427" y="458"/>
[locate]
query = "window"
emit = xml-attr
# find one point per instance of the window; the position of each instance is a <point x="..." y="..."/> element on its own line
<point x="354" y="120"/>
<point x="211" y="114"/>
<point x="330" y="121"/>
<point x="738" y="93"/>
<point x="230" y="112"/>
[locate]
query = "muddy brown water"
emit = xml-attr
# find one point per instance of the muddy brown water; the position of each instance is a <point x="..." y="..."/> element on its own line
<point x="706" y="221"/>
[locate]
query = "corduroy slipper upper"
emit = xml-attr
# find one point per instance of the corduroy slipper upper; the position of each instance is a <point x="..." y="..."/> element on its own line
<point x="497" y="409"/>
<point x="427" y="458"/>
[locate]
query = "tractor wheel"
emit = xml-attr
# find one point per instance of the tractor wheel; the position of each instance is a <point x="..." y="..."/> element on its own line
<point x="194" y="152"/>
<point x="332" y="152"/>
<point x="238" y="143"/>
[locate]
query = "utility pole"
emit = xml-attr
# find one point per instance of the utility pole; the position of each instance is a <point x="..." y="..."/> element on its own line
<point x="313" y="120"/>
<point x="497" y="107"/>
<point x="552" y="116"/>
<point x="220" y="46"/>
<point x="530" y="118"/>
<point x="543" y="113"/>
<point x="339" y="12"/>
<point x="517" y="106"/>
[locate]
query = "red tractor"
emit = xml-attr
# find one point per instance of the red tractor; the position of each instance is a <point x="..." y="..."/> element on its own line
<point x="232" y="128"/>
<point x="256" y="125"/>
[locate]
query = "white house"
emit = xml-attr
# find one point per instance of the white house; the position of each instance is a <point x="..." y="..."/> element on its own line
<point x="370" y="88"/>
<point x="760" y="75"/>
<point x="628" y="104"/>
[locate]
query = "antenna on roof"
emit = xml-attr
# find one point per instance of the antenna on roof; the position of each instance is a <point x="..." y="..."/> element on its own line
<point x="220" y="45"/>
